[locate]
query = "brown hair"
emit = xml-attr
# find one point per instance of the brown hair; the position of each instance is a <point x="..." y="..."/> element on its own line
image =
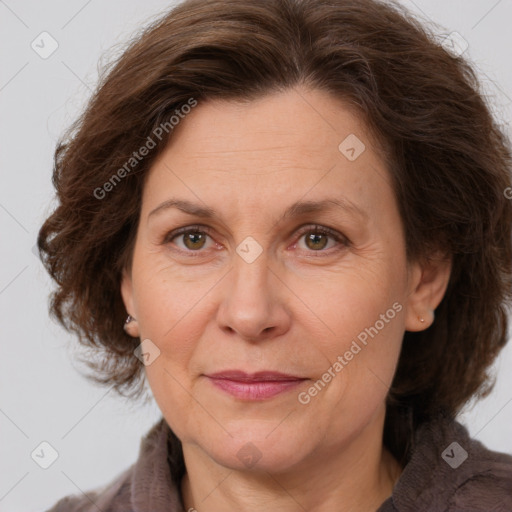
<point x="449" y="161"/>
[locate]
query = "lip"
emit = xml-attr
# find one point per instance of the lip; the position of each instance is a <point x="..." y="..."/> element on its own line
<point x="254" y="386"/>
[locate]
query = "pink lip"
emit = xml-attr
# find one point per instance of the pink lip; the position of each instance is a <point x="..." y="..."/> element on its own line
<point x="256" y="386"/>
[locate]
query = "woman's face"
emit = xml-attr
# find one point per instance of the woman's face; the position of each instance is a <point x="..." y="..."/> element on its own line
<point x="293" y="264"/>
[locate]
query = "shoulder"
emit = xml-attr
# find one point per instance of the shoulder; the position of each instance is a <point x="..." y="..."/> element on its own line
<point x="147" y="485"/>
<point x="487" y="486"/>
<point x="449" y="471"/>
<point x="113" y="497"/>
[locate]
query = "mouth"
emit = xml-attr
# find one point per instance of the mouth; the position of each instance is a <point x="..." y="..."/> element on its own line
<point x="256" y="386"/>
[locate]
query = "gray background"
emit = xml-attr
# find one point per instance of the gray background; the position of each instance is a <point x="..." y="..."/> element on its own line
<point x="43" y="397"/>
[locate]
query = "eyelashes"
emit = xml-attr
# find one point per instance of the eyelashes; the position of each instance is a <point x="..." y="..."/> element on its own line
<point x="203" y="231"/>
<point x="323" y="231"/>
<point x="195" y="240"/>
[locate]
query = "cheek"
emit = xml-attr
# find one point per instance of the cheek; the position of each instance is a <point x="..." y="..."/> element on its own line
<point x="362" y="322"/>
<point x="345" y="303"/>
<point x="166" y="295"/>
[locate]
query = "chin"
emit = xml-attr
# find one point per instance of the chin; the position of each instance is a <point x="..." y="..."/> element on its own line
<point x="257" y="448"/>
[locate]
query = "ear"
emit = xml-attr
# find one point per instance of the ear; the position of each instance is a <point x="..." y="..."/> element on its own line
<point x="428" y="281"/>
<point x="127" y="294"/>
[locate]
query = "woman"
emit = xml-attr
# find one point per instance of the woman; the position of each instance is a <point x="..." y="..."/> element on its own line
<point x="297" y="211"/>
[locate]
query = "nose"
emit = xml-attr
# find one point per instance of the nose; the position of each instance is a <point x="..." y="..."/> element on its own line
<point x="254" y="301"/>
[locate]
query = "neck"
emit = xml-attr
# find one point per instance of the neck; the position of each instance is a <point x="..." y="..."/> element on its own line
<point x="357" y="477"/>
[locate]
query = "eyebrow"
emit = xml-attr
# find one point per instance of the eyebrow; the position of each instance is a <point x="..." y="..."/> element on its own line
<point x="295" y="210"/>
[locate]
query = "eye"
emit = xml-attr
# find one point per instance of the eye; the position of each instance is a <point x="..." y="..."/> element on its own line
<point x="192" y="238"/>
<point x="316" y="238"/>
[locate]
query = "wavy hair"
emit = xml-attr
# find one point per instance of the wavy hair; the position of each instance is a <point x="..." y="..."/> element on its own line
<point x="449" y="160"/>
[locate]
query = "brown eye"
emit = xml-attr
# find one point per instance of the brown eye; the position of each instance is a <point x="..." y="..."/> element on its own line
<point x="189" y="239"/>
<point x="194" y="240"/>
<point x="316" y="241"/>
<point x="320" y="239"/>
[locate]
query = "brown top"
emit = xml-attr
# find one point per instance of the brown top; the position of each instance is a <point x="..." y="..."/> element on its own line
<point x="447" y="472"/>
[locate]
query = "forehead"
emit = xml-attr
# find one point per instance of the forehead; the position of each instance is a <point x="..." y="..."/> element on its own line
<point x="297" y="143"/>
<point x="311" y="120"/>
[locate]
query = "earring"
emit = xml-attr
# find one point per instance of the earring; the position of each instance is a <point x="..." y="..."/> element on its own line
<point x="432" y="314"/>
<point x="128" y="320"/>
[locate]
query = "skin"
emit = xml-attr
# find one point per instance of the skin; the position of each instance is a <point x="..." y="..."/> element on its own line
<point x="294" y="309"/>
